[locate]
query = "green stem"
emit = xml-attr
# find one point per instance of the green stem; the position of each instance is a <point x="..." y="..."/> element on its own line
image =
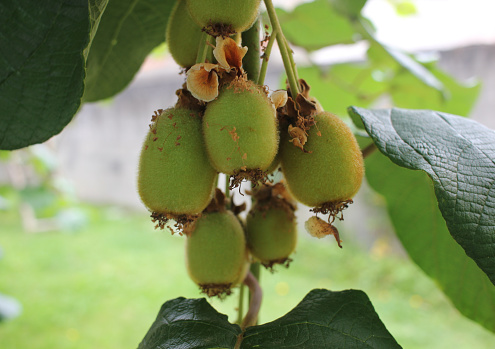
<point x="204" y="46"/>
<point x="240" y="307"/>
<point x="266" y="57"/>
<point x="284" y="52"/>
<point x="251" y="61"/>
<point x="291" y="58"/>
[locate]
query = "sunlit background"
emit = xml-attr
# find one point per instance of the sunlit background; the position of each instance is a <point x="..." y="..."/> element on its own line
<point x="81" y="265"/>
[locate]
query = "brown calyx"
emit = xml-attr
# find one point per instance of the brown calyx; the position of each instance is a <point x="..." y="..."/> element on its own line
<point x="256" y="176"/>
<point x="333" y="209"/>
<point x="186" y="100"/>
<point x="283" y="261"/>
<point x="297" y="115"/>
<point x="183" y="222"/>
<point x="219" y="290"/>
<point x="217" y="203"/>
<point x="276" y="196"/>
<point x="219" y="29"/>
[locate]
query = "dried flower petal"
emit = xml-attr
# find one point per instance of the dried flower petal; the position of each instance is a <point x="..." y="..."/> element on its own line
<point x="228" y="54"/>
<point x="299" y="137"/>
<point x="202" y="81"/>
<point x="317" y="227"/>
<point x="279" y="98"/>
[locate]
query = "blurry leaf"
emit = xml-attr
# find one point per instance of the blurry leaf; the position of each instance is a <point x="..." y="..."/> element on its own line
<point x="315" y="25"/>
<point x="418" y="223"/>
<point x="408" y="63"/>
<point x="190" y="323"/>
<point x="404" y="7"/>
<point x="96" y="9"/>
<point x="459" y="156"/>
<point x="42" y="68"/>
<point x="343" y="85"/>
<point x="407" y="92"/>
<point x="39" y="198"/>
<point x="347" y="8"/>
<point x="128" y="31"/>
<point x="324" y="319"/>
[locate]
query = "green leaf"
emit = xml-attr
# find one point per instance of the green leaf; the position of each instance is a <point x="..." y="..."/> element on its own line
<point x="324" y="319"/>
<point x="96" y="9"/>
<point x="42" y="68"/>
<point x="419" y="225"/>
<point x="351" y="9"/>
<point x="190" y="323"/>
<point x="315" y="25"/>
<point x="458" y="154"/>
<point x="128" y="31"/>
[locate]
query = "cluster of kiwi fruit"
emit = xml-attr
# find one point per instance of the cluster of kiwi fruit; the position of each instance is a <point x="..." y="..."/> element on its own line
<point x="245" y="135"/>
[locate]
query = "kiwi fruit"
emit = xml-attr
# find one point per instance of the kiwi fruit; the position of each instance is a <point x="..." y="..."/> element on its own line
<point x="240" y="128"/>
<point x="172" y="156"/>
<point x="232" y="16"/>
<point x="183" y="36"/>
<point x="330" y="170"/>
<point x="216" y="253"/>
<point x="271" y="235"/>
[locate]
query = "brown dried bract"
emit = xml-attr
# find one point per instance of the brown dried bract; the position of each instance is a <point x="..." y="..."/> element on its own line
<point x="268" y="196"/>
<point x="282" y="261"/>
<point x="256" y="176"/>
<point x="188" y="101"/>
<point x="202" y="81"/>
<point x="219" y="290"/>
<point x="333" y="209"/>
<point x="219" y="29"/>
<point x="183" y="222"/>
<point x="228" y="54"/>
<point x="217" y="203"/>
<point x="318" y="228"/>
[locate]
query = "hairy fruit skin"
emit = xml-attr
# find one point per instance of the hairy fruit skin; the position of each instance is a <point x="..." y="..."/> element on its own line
<point x="334" y="169"/>
<point x="183" y="36"/>
<point x="216" y="253"/>
<point x="240" y="129"/>
<point x="240" y="15"/>
<point x="171" y="158"/>
<point x="271" y="235"/>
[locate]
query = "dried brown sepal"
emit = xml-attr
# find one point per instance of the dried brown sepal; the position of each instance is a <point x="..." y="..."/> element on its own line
<point x="237" y="209"/>
<point x="186" y="100"/>
<point x="228" y="54"/>
<point x="202" y="81"/>
<point x="217" y="203"/>
<point x="219" y="29"/>
<point x="183" y="222"/>
<point x="333" y="209"/>
<point x="256" y="176"/>
<point x="216" y="290"/>
<point x="318" y="228"/>
<point x="279" y="98"/>
<point x="282" y="261"/>
<point x="268" y="196"/>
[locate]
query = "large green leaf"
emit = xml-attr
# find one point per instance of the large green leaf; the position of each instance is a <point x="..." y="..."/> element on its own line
<point x="190" y="323"/>
<point x="96" y="9"/>
<point x="41" y="68"/>
<point x="418" y="223"/>
<point x="315" y="25"/>
<point x="458" y="154"/>
<point x="324" y="319"/>
<point x="351" y="9"/>
<point x="127" y="32"/>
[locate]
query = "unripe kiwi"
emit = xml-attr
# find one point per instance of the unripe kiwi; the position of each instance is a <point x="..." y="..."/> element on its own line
<point x="271" y="235"/>
<point x="183" y="36"/>
<point x="332" y="169"/>
<point x="175" y="175"/>
<point x="216" y="253"/>
<point x="240" y="128"/>
<point x="239" y="15"/>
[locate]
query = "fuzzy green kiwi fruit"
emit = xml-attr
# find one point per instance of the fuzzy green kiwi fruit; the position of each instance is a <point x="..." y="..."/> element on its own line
<point x="238" y="15"/>
<point x="331" y="171"/>
<point x="175" y="176"/>
<point x="183" y="36"/>
<point x="240" y="128"/>
<point x="216" y="253"/>
<point x="271" y="235"/>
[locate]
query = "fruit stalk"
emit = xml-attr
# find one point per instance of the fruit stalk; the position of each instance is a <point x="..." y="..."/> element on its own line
<point x="251" y="61"/>
<point x="204" y="46"/>
<point x="284" y="52"/>
<point x="266" y="57"/>
<point x="254" y="303"/>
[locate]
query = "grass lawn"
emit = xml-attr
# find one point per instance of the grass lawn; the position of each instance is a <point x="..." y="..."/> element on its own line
<point x="103" y="286"/>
